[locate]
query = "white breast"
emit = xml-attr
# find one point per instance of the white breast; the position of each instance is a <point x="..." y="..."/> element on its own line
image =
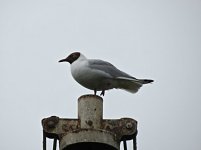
<point x="89" y="78"/>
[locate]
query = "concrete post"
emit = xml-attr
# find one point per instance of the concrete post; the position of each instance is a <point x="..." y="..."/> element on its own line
<point x="90" y="112"/>
<point x="90" y="130"/>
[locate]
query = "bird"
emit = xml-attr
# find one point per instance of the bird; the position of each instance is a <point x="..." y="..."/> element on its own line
<point x="99" y="75"/>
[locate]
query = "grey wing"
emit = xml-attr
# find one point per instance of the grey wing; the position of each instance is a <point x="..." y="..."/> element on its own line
<point x="108" y="68"/>
<point x="125" y="81"/>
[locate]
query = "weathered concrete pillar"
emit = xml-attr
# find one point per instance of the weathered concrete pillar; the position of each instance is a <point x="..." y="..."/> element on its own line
<point x="90" y="111"/>
<point x="90" y="136"/>
<point x="90" y="130"/>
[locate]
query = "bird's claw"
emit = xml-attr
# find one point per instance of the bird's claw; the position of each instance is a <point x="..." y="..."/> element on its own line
<point x="95" y="92"/>
<point x="102" y="93"/>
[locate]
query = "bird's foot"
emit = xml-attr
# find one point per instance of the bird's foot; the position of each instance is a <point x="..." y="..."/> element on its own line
<point x="95" y="91"/>
<point x="102" y="93"/>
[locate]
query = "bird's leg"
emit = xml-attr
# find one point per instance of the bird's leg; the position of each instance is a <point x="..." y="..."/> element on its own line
<point x="95" y="91"/>
<point x="102" y="93"/>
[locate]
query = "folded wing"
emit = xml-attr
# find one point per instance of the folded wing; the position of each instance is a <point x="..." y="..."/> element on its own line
<point x="123" y="80"/>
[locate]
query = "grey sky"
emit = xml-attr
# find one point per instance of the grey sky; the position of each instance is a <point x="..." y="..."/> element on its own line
<point x="154" y="39"/>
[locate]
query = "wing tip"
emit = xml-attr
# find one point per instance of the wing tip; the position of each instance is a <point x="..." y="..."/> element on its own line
<point x="146" y="81"/>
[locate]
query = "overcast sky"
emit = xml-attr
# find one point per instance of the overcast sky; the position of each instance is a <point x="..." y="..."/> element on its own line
<point x="156" y="39"/>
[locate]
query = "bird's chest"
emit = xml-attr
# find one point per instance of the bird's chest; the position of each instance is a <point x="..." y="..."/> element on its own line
<point x="79" y="71"/>
<point x="84" y="75"/>
<point x="88" y="77"/>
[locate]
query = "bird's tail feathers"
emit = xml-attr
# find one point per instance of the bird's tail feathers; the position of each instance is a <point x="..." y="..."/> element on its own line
<point x="132" y="85"/>
<point x="128" y="84"/>
<point x="145" y="81"/>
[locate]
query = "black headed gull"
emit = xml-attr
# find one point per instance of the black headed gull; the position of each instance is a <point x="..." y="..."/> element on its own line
<point x="99" y="75"/>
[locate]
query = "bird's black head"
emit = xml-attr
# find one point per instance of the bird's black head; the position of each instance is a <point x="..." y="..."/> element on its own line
<point x="71" y="58"/>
